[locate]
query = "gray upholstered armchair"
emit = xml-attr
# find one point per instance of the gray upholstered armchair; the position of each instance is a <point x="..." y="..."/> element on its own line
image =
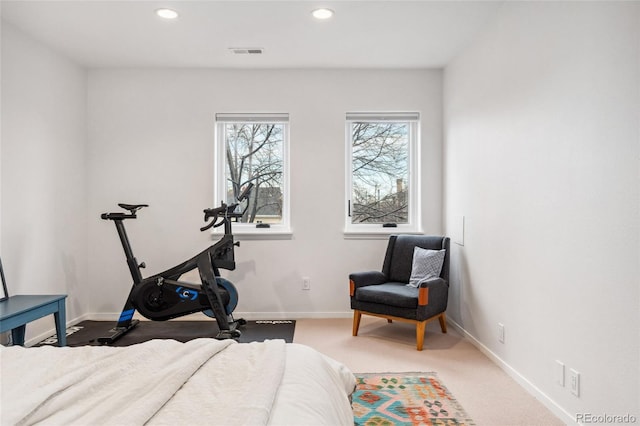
<point x="387" y="294"/>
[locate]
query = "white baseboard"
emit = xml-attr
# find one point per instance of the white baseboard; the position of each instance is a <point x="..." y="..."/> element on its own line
<point x="291" y="315"/>
<point x="556" y="409"/>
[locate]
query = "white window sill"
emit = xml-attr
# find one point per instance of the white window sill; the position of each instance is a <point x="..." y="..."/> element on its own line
<point x="378" y="234"/>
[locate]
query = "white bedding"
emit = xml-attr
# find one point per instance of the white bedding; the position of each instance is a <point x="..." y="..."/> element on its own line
<point x="164" y="382"/>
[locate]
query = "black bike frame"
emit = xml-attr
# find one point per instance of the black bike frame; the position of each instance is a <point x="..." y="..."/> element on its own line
<point x="190" y="297"/>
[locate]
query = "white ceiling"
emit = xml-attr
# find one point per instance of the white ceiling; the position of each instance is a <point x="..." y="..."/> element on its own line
<point x="362" y="34"/>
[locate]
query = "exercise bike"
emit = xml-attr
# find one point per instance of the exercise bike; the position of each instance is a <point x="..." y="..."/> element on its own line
<point x="162" y="296"/>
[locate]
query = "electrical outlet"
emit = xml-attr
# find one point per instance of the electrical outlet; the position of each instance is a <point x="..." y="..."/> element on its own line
<point x="500" y="332"/>
<point x="574" y="382"/>
<point x="306" y="283"/>
<point x="560" y="373"/>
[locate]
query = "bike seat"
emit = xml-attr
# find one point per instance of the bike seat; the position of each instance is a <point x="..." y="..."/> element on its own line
<point x="132" y="207"/>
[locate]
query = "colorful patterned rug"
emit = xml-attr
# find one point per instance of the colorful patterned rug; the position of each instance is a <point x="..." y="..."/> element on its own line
<point x="386" y="399"/>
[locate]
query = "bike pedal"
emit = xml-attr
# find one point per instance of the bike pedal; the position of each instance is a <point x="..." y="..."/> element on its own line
<point x="228" y="334"/>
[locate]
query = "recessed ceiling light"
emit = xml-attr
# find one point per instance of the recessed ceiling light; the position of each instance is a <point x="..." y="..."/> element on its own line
<point x="322" y="13"/>
<point x="167" y="13"/>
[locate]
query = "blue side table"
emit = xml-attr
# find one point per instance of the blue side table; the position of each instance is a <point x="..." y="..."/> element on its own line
<point x="17" y="311"/>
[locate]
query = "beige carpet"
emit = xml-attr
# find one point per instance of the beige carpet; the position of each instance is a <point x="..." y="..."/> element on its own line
<point x="488" y="395"/>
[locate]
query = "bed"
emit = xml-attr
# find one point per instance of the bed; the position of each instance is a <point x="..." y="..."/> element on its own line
<point x="165" y="382"/>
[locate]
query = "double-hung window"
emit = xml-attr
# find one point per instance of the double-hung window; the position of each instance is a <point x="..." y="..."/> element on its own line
<point x="383" y="176"/>
<point x="253" y="149"/>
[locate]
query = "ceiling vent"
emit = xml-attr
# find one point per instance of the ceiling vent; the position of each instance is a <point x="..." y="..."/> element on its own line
<point x="247" y="50"/>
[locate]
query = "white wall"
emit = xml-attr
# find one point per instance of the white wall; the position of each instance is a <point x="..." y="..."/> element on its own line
<point x="44" y="215"/>
<point x="151" y="141"/>
<point x="541" y="157"/>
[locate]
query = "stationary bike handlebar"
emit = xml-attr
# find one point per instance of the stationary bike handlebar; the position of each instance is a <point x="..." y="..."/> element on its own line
<point x="226" y="211"/>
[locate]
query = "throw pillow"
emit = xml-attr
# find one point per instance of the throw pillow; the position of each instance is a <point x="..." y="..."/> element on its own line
<point x="426" y="264"/>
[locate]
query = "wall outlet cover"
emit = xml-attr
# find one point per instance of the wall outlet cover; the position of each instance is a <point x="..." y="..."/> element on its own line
<point x="574" y="382"/>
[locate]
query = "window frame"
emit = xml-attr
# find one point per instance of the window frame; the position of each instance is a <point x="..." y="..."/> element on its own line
<point x="414" y="222"/>
<point x="250" y="230"/>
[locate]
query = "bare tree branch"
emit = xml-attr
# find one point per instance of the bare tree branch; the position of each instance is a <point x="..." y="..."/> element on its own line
<point x="254" y="154"/>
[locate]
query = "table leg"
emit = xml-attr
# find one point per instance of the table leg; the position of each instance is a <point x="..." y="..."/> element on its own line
<point x="17" y="335"/>
<point x="61" y="324"/>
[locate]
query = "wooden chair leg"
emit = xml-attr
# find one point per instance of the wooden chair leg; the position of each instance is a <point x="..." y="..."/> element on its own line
<point x="443" y="322"/>
<point x="420" y="334"/>
<point x="356" y="321"/>
<point x="389" y="321"/>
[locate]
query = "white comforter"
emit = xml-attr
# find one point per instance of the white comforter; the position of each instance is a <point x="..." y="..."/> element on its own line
<point x="164" y="382"/>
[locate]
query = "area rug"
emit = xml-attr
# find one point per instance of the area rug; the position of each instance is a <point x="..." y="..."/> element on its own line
<point x="405" y="399"/>
<point x="87" y="332"/>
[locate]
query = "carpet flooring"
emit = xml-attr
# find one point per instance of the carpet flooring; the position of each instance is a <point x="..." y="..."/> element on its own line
<point x="87" y="332"/>
<point x="488" y="394"/>
<point x="405" y="399"/>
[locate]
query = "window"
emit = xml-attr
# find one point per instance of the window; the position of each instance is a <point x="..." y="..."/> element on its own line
<point x="252" y="149"/>
<point x="382" y="173"/>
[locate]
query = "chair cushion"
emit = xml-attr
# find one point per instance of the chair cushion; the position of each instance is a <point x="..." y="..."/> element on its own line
<point x="394" y="294"/>
<point x="427" y="264"/>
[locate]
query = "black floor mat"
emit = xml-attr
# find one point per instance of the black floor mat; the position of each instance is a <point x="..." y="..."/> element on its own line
<point x="87" y="332"/>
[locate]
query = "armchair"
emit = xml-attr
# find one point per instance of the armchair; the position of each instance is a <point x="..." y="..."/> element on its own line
<point x="386" y="294"/>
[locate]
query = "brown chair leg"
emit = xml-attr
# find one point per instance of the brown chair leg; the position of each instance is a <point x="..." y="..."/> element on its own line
<point x="420" y="334"/>
<point x="443" y="322"/>
<point x="389" y="321"/>
<point x="356" y="321"/>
